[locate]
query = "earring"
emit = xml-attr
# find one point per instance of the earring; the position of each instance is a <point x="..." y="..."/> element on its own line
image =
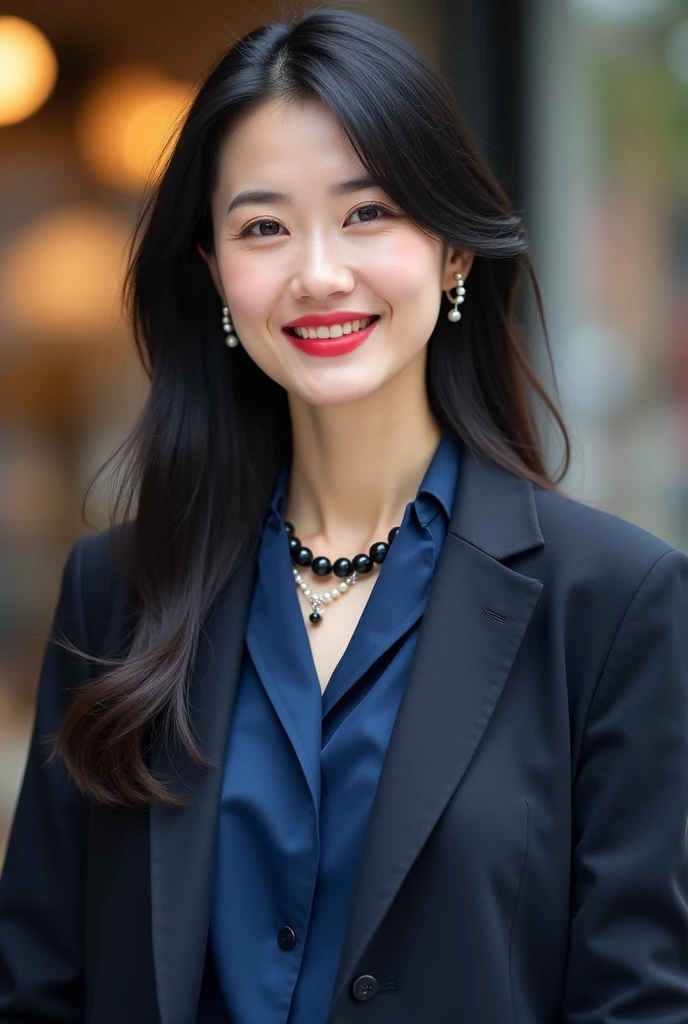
<point x="455" y="314"/>
<point x="231" y="338"/>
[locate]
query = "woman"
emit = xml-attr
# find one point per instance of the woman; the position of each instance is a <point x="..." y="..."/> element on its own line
<point x="479" y="814"/>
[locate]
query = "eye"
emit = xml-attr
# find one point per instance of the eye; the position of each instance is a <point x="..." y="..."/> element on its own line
<point x="248" y="230"/>
<point x="366" y="210"/>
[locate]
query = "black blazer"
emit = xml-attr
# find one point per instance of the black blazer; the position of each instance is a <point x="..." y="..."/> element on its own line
<point x="526" y="859"/>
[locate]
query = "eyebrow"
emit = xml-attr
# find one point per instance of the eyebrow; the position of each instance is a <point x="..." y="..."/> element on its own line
<point x="256" y="195"/>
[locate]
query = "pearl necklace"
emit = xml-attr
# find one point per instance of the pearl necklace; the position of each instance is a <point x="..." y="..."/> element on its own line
<point x="346" y="569"/>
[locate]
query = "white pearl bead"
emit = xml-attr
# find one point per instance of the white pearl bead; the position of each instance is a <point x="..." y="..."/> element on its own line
<point x="327" y="596"/>
<point x="308" y="592"/>
<point x="335" y="593"/>
<point x="343" y="587"/>
<point x="298" y="577"/>
<point x="454" y="315"/>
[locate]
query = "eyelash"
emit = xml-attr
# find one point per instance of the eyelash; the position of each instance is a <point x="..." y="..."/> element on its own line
<point x="269" y="220"/>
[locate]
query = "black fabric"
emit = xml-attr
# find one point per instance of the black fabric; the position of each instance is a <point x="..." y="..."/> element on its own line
<point x="526" y="858"/>
<point x="211" y="1005"/>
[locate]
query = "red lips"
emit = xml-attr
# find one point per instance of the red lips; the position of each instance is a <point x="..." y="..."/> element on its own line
<point x="338" y="316"/>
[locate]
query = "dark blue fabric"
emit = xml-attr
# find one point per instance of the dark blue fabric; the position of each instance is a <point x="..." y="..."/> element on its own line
<point x="302" y="766"/>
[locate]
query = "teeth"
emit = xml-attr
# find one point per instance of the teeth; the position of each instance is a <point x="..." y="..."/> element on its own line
<point x="335" y="331"/>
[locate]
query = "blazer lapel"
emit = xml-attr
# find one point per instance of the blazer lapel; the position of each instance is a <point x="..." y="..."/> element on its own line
<point x="183" y="840"/>
<point x="477" y="613"/>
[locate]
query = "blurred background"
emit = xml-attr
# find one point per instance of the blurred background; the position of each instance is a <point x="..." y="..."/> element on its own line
<point x="581" y="107"/>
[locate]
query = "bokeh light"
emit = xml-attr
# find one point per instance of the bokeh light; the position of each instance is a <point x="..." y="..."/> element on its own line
<point x="28" y="69"/>
<point x="124" y="122"/>
<point x="60" y="278"/>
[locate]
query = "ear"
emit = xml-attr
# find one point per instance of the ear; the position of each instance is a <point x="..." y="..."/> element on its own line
<point x="456" y="261"/>
<point x="214" y="272"/>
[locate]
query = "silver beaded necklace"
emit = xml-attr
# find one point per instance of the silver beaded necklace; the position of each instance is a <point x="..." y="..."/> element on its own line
<point x="347" y="569"/>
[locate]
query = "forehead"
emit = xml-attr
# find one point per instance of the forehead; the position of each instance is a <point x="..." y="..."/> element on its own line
<point x="285" y="141"/>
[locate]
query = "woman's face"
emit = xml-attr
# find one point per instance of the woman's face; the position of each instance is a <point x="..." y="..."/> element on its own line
<point x="317" y="245"/>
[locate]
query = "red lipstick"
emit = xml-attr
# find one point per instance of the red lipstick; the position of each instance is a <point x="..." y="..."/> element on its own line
<point x="329" y="346"/>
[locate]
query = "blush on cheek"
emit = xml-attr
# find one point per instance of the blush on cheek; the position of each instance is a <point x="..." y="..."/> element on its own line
<point x="248" y="297"/>
<point x="412" y="265"/>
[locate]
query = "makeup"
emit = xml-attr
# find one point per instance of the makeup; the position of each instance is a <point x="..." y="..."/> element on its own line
<point x="327" y="347"/>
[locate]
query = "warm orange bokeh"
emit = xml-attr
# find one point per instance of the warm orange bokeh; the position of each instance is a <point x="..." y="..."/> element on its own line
<point x="28" y="69"/>
<point x="125" y="121"/>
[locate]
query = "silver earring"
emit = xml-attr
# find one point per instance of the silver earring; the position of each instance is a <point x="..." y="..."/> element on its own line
<point x="231" y="338"/>
<point x="455" y="313"/>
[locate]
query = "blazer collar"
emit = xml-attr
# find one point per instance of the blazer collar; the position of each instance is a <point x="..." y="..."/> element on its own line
<point x="494" y="510"/>
<point x="436" y="731"/>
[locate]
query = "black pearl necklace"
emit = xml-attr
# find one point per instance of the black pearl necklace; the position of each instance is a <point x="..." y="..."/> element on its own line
<point x="348" y="570"/>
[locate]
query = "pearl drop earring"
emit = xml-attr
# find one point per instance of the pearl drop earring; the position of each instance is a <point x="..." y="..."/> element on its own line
<point x="455" y="314"/>
<point x="231" y="338"/>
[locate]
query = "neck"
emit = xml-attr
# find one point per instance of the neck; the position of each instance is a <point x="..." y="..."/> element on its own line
<point x="355" y="467"/>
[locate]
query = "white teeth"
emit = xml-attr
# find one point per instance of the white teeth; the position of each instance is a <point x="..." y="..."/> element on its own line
<point x="335" y="331"/>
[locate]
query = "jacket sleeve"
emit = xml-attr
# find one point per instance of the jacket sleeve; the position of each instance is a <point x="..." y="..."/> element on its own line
<point x="628" y="950"/>
<point x="41" y="888"/>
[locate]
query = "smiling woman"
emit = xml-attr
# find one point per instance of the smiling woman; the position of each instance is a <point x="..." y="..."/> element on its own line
<point x="455" y="781"/>
<point x="332" y="235"/>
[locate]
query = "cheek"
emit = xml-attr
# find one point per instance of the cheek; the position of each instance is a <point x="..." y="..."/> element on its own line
<point x="247" y="289"/>
<point x="409" y="276"/>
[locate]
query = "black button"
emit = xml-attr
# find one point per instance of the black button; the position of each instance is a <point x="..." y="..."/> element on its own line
<point x="286" y="938"/>
<point x="364" y="988"/>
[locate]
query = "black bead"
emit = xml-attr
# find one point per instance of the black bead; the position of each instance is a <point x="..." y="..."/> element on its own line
<point x="378" y="552"/>
<point x="314" y="617"/>
<point x="289" y="527"/>
<point x="342" y="567"/>
<point x="362" y="564"/>
<point x="321" y="566"/>
<point x="294" y="543"/>
<point x="304" y="556"/>
<point x="392" y="534"/>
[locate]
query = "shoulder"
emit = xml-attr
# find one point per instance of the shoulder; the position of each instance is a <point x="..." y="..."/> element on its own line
<point x="584" y="539"/>
<point x="606" y="583"/>
<point x="100" y="558"/>
<point x="95" y="581"/>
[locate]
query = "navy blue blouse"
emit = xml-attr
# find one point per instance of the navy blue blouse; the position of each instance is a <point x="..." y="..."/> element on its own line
<point x="302" y="766"/>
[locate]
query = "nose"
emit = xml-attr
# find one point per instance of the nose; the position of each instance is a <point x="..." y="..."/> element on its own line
<point x="320" y="272"/>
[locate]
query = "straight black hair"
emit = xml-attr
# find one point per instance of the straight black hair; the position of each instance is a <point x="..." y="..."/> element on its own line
<point x="198" y="468"/>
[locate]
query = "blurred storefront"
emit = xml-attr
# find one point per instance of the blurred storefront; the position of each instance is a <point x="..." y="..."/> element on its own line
<point x="606" y="168"/>
<point x="581" y="107"/>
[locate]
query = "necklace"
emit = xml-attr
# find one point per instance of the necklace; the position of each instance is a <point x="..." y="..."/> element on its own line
<point x="348" y="570"/>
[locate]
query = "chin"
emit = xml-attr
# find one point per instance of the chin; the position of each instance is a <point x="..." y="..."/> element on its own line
<point x="334" y="392"/>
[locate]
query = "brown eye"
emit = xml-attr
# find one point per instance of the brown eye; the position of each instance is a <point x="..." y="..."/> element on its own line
<point x="271" y="224"/>
<point x="268" y="227"/>
<point x="370" y="213"/>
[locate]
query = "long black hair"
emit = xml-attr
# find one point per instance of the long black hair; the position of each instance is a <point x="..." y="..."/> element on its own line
<point x="201" y="461"/>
